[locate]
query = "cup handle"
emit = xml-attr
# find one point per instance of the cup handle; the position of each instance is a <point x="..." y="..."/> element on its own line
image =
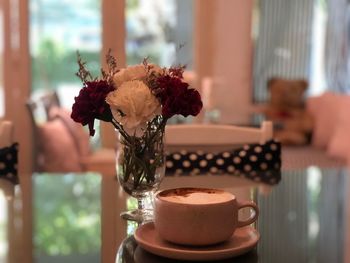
<point x="252" y="217"/>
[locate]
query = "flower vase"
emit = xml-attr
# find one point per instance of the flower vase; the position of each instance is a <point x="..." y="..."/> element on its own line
<point x="140" y="164"/>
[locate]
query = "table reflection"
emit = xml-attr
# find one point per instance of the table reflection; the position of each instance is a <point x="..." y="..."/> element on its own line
<point x="75" y="218"/>
<point x="3" y="228"/>
<point x="130" y="252"/>
<point x="51" y="218"/>
<point x="302" y="219"/>
<point x="67" y="221"/>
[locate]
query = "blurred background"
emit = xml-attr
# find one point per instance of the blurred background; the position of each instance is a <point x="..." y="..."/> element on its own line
<point x="230" y="47"/>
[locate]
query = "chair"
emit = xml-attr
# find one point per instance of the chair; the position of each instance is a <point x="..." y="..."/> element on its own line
<point x="47" y="115"/>
<point x="6" y="133"/>
<point x="217" y="135"/>
<point x="40" y="106"/>
<point x="6" y="140"/>
<point x="209" y="137"/>
<point x="102" y="161"/>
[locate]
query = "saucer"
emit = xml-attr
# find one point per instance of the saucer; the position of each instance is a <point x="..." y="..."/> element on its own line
<point x="243" y="240"/>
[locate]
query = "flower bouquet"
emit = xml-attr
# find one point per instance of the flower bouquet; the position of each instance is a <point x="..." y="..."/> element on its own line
<point x="137" y="101"/>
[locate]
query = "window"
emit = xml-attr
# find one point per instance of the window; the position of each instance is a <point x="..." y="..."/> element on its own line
<point x="58" y="28"/>
<point x="317" y="76"/>
<point x="160" y="30"/>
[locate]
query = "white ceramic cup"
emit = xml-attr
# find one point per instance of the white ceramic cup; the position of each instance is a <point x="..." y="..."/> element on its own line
<point x="199" y="216"/>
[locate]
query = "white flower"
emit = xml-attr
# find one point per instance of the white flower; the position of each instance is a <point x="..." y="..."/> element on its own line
<point x="129" y="73"/>
<point x="136" y="72"/>
<point x="155" y="68"/>
<point x="133" y="104"/>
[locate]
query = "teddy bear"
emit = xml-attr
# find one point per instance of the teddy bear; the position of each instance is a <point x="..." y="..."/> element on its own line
<point x="292" y="123"/>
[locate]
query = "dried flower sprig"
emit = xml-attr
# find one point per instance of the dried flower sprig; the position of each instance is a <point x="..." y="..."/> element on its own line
<point x="112" y="68"/>
<point x="83" y="73"/>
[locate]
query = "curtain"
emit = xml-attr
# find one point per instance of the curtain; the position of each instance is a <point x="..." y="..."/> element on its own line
<point x="337" y="46"/>
<point x="283" y="46"/>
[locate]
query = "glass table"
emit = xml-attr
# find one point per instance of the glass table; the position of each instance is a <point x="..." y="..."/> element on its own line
<point x="75" y="218"/>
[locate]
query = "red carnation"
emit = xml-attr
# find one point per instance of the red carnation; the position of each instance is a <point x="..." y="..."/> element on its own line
<point x="177" y="98"/>
<point x="90" y="104"/>
<point x="192" y="103"/>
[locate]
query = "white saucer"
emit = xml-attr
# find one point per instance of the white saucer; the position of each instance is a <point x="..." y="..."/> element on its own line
<point x="243" y="240"/>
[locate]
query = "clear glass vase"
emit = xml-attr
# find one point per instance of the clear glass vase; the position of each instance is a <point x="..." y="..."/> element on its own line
<point x="140" y="167"/>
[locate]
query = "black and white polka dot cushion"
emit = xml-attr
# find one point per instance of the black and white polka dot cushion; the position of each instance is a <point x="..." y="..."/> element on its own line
<point x="260" y="162"/>
<point x="8" y="163"/>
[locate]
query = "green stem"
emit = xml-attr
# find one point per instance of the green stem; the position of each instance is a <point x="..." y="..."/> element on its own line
<point x="121" y="130"/>
<point x="139" y="151"/>
<point x="160" y="128"/>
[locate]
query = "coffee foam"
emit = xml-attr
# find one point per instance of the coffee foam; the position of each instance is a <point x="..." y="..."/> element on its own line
<point x="195" y="196"/>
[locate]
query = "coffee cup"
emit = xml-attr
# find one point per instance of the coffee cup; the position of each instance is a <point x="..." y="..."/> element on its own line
<point x="199" y="216"/>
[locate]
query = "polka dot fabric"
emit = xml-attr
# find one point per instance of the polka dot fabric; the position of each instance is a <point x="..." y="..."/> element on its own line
<point x="8" y="163"/>
<point x="259" y="162"/>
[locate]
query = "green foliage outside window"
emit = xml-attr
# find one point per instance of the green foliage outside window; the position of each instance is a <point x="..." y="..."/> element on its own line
<point x="55" y="65"/>
<point x="67" y="211"/>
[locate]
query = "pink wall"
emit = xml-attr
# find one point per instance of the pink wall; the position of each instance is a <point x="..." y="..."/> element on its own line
<point x="226" y="55"/>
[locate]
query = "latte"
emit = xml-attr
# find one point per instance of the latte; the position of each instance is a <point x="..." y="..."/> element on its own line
<point x="195" y="196"/>
<point x="205" y="216"/>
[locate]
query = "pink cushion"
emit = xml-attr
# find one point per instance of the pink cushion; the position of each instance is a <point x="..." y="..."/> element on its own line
<point x="80" y="136"/>
<point x="339" y="145"/>
<point x="58" y="152"/>
<point x="324" y="111"/>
